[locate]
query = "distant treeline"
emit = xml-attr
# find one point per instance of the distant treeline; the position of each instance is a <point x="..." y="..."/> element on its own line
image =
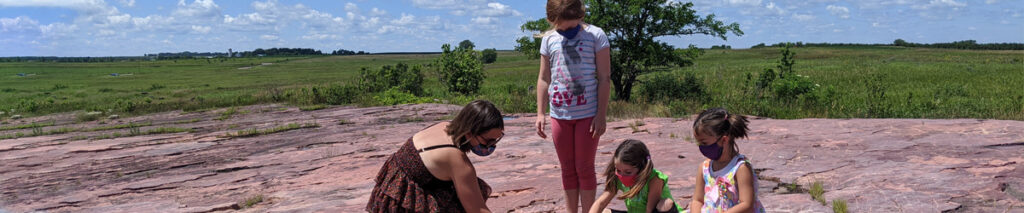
<point x="259" y="52"/>
<point x="965" y="44"/>
<point x="348" y="52"/>
<point x="70" y="59"/>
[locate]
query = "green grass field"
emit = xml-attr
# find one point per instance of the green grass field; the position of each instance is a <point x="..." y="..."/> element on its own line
<point x="917" y="83"/>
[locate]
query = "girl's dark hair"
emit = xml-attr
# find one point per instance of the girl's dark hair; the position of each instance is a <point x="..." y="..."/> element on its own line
<point x="719" y="122"/>
<point x="476" y="118"/>
<point x="634" y="153"/>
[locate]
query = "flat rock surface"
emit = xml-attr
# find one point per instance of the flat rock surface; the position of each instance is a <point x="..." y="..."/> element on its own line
<point x="875" y="165"/>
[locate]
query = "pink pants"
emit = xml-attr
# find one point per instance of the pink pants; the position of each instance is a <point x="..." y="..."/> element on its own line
<point x="576" y="148"/>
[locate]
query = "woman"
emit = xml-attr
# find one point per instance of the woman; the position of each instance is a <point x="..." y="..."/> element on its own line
<point x="431" y="172"/>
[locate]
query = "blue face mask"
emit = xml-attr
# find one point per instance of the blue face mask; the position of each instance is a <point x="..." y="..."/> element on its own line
<point x="483" y="151"/>
<point x="571" y="32"/>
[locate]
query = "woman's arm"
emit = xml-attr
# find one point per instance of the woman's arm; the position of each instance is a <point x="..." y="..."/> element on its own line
<point x="604" y="72"/>
<point x="543" y="80"/>
<point x="466" y="185"/>
<point x="698" y="191"/>
<point x="603" y="200"/>
<point x="745" y="185"/>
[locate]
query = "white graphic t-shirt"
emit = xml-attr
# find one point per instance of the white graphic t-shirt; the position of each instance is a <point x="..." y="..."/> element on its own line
<point x="573" y="88"/>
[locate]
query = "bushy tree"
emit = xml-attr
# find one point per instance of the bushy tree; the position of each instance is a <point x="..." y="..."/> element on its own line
<point x="529" y="45"/>
<point x="466" y="45"/>
<point x="634" y="28"/>
<point x="460" y="70"/>
<point x="489" y="55"/>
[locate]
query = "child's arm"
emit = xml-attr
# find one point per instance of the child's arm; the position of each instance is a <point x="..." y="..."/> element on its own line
<point x="654" y="193"/>
<point x="603" y="200"/>
<point x="543" y="80"/>
<point x="745" y="185"/>
<point x="698" y="192"/>
<point x="604" y="70"/>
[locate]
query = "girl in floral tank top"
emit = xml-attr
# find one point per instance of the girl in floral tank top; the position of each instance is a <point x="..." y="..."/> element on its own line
<point x="727" y="176"/>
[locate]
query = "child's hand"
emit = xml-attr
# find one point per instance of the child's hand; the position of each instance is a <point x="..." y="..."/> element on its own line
<point x="540" y="126"/>
<point x="597" y="126"/>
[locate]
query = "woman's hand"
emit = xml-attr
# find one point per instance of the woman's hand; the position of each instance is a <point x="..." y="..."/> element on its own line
<point x="541" y="119"/>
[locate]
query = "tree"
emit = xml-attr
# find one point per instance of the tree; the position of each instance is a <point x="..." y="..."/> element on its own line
<point x="634" y="28"/>
<point x="460" y="69"/>
<point x="489" y="55"/>
<point x="466" y="45"/>
<point x="899" y="42"/>
<point x="528" y="45"/>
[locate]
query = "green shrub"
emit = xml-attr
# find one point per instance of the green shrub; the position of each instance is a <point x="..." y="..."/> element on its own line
<point x="401" y="76"/>
<point x="793" y="86"/>
<point x="125" y="105"/>
<point x="489" y="55"/>
<point x="668" y="86"/>
<point x="332" y="95"/>
<point x="460" y="70"/>
<point x="839" y="206"/>
<point x="28" y="105"/>
<point x="817" y="192"/>
<point x="394" y="96"/>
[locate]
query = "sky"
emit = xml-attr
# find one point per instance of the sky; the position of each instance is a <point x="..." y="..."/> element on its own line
<point x="134" y="28"/>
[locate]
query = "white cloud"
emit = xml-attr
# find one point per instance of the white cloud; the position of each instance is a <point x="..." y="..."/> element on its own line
<point x="127" y="3"/>
<point x="378" y="12"/>
<point x="744" y="2"/>
<point x="462" y="7"/>
<point x="803" y="17"/>
<point x="269" y="37"/>
<point x="318" y="36"/>
<point x="57" y="30"/>
<point x="436" y="4"/>
<point x="49" y="3"/>
<point x="484" y="20"/>
<point x="991" y="1"/>
<point x="774" y="9"/>
<point x="201" y="29"/>
<point x="939" y="4"/>
<point x="351" y="7"/>
<point x="406" y="19"/>
<point x="495" y="9"/>
<point x="203" y="9"/>
<point x="840" y="11"/>
<point x="18" y="24"/>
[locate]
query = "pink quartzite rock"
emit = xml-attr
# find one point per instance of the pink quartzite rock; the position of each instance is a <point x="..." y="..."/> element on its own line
<point x="875" y="165"/>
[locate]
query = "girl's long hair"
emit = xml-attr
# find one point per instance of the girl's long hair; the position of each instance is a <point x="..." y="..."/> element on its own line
<point x="562" y="10"/>
<point x="634" y="153"/>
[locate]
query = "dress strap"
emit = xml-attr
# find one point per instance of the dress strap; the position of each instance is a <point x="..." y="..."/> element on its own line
<point x="437" y="147"/>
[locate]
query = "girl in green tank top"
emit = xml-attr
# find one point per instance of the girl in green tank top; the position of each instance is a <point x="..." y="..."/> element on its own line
<point x="631" y="173"/>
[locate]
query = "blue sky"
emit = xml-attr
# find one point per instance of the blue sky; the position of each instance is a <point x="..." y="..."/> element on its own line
<point x="130" y="27"/>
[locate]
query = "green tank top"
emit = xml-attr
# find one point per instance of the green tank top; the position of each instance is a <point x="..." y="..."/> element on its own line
<point x="639" y="202"/>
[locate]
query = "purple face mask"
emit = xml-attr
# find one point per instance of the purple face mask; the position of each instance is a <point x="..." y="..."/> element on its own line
<point x="712" y="151"/>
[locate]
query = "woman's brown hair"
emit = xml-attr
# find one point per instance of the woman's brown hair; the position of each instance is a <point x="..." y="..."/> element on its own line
<point x="476" y="118"/>
<point x="633" y="153"/>
<point x="719" y="122"/>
